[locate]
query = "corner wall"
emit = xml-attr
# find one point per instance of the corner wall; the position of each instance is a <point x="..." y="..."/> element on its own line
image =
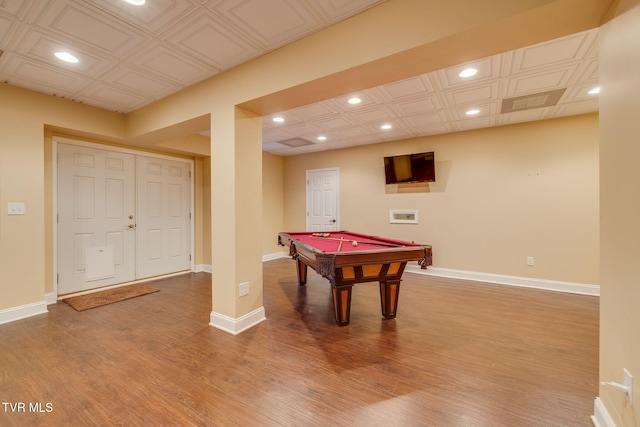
<point x="620" y="209"/>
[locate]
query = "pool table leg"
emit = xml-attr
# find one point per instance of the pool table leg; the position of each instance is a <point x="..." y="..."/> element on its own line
<point x="389" y="290"/>
<point x="302" y="272"/>
<point x="342" y="303"/>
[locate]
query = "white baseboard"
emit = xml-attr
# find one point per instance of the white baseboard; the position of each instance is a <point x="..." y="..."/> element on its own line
<point x="276" y="255"/>
<point x="601" y="417"/>
<point x="527" y="282"/>
<point x="236" y="326"/>
<point x="50" y="298"/>
<point x="199" y="268"/>
<point x="22" y="312"/>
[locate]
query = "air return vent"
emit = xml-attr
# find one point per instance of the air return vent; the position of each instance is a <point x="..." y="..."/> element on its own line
<point x="295" y="142"/>
<point x="527" y="102"/>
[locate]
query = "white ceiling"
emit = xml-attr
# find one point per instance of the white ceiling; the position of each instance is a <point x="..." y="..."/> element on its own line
<point x="437" y="102"/>
<point x="132" y="56"/>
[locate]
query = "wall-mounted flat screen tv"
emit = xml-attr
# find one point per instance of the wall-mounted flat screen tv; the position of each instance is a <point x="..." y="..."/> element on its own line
<point x="419" y="167"/>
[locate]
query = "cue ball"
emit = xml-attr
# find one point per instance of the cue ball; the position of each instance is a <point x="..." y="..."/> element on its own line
<point x="354" y="243"/>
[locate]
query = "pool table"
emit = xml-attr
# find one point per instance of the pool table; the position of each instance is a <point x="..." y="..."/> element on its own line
<point x="346" y="258"/>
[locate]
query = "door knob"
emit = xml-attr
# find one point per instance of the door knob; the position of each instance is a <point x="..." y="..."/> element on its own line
<point x="333" y="220"/>
<point x="132" y="226"/>
<point x="130" y="216"/>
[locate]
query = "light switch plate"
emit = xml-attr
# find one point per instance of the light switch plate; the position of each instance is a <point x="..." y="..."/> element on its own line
<point x="15" y="209"/>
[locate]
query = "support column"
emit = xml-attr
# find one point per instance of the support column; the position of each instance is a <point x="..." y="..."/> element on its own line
<point x="236" y="219"/>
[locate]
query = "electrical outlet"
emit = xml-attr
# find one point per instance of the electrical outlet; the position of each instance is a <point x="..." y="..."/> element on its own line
<point x="628" y="382"/>
<point x="243" y="289"/>
<point x="530" y="260"/>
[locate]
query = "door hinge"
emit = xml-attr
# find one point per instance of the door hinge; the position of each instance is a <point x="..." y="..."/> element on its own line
<point x="189" y="257"/>
<point x="58" y="278"/>
<point x="189" y="215"/>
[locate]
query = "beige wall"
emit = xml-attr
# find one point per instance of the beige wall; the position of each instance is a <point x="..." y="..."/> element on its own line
<point x="272" y="202"/>
<point x="620" y="208"/>
<point x="500" y="195"/>
<point x="25" y="240"/>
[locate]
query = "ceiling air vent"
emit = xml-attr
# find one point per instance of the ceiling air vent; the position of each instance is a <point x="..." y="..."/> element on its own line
<point x="527" y="102"/>
<point x="295" y="142"/>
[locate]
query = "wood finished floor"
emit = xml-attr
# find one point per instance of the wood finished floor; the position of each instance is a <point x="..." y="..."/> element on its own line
<point x="459" y="353"/>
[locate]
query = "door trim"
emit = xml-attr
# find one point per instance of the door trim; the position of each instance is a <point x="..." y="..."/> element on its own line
<point x="54" y="195"/>
<point x="307" y="195"/>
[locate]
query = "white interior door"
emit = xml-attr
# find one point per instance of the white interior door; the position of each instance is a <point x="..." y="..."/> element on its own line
<point x="163" y="224"/>
<point x="96" y="197"/>
<point x="322" y="199"/>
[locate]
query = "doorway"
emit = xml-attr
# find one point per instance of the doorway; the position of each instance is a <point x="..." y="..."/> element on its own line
<point x="323" y="199"/>
<point x="121" y="216"/>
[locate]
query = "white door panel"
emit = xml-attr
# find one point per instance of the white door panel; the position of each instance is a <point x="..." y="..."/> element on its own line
<point x="96" y="195"/>
<point x="163" y="216"/>
<point x="322" y="200"/>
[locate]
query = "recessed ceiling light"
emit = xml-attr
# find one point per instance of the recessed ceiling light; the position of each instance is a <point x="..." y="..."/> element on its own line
<point x="594" y="91"/>
<point x="468" y="72"/>
<point x="136" y="2"/>
<point x="386" y="126"/>
<point x="354" y="100"/>
<point x="322" y="138"/>
<point x="66" y="57"/>
<point x="278" y="119"/>
<point x="473" y="112"/>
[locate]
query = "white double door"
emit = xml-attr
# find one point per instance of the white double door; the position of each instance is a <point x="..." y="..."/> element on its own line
<point x="121" y="217"/>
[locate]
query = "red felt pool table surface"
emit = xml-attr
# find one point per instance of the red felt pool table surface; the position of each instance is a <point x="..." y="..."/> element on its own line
<point x="346" y="258"/>
<point x="331" y="243"/>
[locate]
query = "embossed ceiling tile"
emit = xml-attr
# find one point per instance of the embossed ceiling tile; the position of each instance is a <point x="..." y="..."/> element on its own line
<point x="574" y="108"/>
<point x="15" y="8"/>
<point x="276" y="134"/>
<point x="525" y="116"/>
<point x="419" y="105"/>
<point x="313" y="111"/>
<point x="305" y="130"/>
<point x="111" y="98"/>
<point x="373" y="114"/>
<point x="273" y="23"/>
<point x="335" y="122"/>
<point x="142" y="82"/>
<point x="7" y="27"/>
<point x="367" y="98"/>
<point x="41" y="47"/>
<point x="523" y="84"/>
<point x="427" y="120"/>
<point x="488" y="68"/>
<point x="590" y="71"/>
<point x="79" y="21"/>
<point x="170" y="64"/>
<point x="407" y="88"/>
<point x="154" y="17"/>
<point x="473" y="94"/>
<point x="556" y="52"/>
<point x="23" y="72"/>
<point x="335" y="10"/>
<point x="212" y="42"/>
<point x="486" y="109"/>
<point x="580" y="92"/>
<point x="478" y="123"/>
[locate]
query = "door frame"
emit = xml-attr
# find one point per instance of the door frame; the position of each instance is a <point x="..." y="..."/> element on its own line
<point x="54" y="195"/>
<point x="307" y="195"/>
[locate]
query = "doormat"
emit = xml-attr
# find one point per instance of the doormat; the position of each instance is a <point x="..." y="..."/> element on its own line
<point x="98" y="299"/>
